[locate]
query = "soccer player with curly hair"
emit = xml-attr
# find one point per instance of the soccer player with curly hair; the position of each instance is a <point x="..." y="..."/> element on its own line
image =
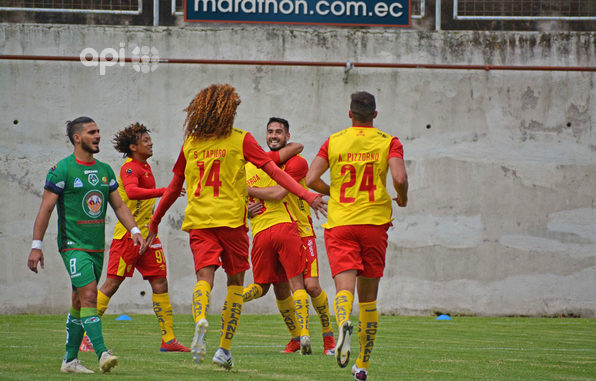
<point x="137" y="189"/>
<point x="212" y="162"/>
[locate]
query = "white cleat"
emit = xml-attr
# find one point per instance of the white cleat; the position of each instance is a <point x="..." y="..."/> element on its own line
<point x="342" y="349"/>
<point x="360" y="374"/>
<point x="199" y="344"/>
<point x="74" y="366"/>
<point x="222" y="359"/>
<point x="107" y="361"/>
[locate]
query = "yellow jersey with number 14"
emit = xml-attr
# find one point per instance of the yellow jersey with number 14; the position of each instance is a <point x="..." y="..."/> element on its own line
<point x="215" y="182"/>
<point x="358" y="167"/>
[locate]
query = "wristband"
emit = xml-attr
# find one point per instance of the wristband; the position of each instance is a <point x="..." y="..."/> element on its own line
<point x="36" y="244"/>
<point x="135" y="230"/>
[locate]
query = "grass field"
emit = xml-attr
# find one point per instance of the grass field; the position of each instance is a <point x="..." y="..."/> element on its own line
<point x="407" y="348"/>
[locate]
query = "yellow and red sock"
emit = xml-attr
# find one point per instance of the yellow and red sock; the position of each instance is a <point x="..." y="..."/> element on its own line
<point x="288" y="312"/>
<point x="251" y="292"/>
<point x="321" y="305"/>
<point x="163" y="312"/>
<point x="102" y="303"/>
<point x="201" y="297"/>
<point x="230" y="316"/>
<point x="342" y="306"/>
<point x="302" y="305"/>
<point x="367" y="331"/>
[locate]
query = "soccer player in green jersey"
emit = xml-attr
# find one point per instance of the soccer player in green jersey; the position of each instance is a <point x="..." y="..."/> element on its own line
<point x="80" y="186"/>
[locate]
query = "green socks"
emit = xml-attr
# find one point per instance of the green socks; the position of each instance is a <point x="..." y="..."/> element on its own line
<point x="92" y="325"/>
<point x="74" y="334"/>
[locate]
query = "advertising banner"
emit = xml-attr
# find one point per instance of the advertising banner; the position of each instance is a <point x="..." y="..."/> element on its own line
<point x="386" y="13"/>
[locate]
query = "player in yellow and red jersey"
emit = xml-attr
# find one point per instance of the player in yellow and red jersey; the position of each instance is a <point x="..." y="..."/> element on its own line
<point x="359" y="215"/>
<point x="278" y="135"/>
<point x="138" y="191"/>
<point x="212" y="162"/>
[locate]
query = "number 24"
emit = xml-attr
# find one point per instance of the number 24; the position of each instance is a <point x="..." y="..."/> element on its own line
<point x="367" y="183"/>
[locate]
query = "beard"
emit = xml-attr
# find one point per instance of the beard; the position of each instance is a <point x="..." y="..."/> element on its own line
<point x="88" y="148"/>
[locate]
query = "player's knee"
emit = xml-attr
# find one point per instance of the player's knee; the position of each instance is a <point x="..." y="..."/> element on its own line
<point x="313" y="290"/>
<point x="159" y="285"/>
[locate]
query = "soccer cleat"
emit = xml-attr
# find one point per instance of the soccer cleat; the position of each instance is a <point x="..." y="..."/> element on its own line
<point x="107" y="361"/>
<point x="86" y="345"/>
<point x="74" y="366"/>
<point x="199" y="344"/>
<point x="174" y="346"/>
<point x="329" y="345"/>
<point x="360" y="374"/>
<point x="342" y="349"/>
<point x="222" y="359"/>
<point x="305" y="348"/>
<point x="292" y="347"/>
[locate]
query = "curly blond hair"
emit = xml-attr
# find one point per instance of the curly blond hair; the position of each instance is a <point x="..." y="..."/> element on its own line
<point x="211" y="113"/>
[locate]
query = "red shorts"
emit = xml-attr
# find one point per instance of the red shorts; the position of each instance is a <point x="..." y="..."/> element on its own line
<point x="277" y="254"/>
<point x="357" y="247"/>
<point x="124" y="258"/>
<point x="222" y="246"/>
<point x="312" y="257"/>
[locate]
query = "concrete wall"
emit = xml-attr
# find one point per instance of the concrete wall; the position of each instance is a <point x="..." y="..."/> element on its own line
<point x="501" y="215"/>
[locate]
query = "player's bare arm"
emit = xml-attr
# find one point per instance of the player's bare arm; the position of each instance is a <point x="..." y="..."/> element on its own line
<point x="400" y="180"/>
<point x="125" y="216"/>
<point x="48" y="203"/>
<point x="289" y="151"/>
<point x="275" y="193"/>
<point x="315" y="200"/>
<point x="313" y="177"/>
<point x="172" y="192"/>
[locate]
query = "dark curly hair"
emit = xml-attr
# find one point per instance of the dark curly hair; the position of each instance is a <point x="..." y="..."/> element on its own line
<point x="130" y="135"/>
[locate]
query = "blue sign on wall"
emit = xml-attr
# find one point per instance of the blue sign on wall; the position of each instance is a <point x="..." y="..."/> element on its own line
<point x="390" y="13"/>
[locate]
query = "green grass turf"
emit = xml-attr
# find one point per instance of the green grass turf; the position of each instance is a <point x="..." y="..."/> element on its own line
<point x="407" y="348"/>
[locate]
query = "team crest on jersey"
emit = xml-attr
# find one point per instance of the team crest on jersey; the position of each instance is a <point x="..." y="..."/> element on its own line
<point x="93" y="179"/>
<point x="129" y="171"/>
<point x="104" y="180"/>
<point x="93" y="203"/>
<point x="78" y="183"/>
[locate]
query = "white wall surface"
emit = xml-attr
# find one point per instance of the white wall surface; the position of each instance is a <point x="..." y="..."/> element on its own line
<point x="501" y="216"/>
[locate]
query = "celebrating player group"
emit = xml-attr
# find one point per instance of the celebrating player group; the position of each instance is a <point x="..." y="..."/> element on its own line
<point x="226" y="178"/>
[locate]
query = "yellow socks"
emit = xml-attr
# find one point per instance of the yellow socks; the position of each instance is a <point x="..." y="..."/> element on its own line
<point x="302" y="305"/>
<point x="230" y="316"/>
<point x="201" y="296"/>
<point x="163" y="311"/>
<point x="342" y="305"/>
<point x="321" y="305"/>
<point x="288" y="312"/>
<point x="367" y="331"/>
<point x="102" y="303"/>
<point x="253" y="291"/>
